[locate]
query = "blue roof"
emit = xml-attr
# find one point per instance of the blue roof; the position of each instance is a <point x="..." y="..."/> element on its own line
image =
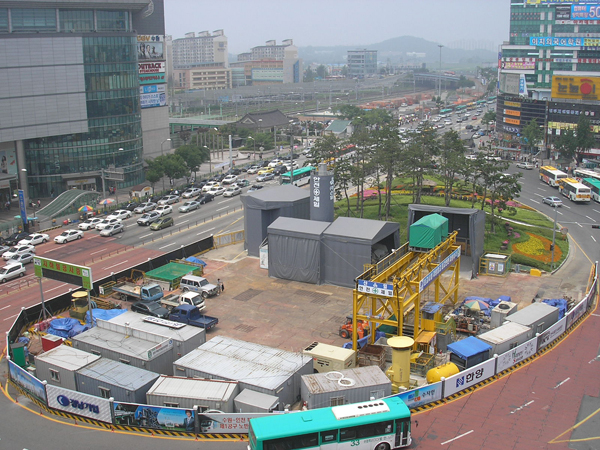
<point x="431" y="307"/>
<point x="468" y="347"/>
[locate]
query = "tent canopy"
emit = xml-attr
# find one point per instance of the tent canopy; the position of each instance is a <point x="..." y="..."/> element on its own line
<point x="468" y="347"/>
<point x="172" y="271"/>
<point x="428" y="231"/>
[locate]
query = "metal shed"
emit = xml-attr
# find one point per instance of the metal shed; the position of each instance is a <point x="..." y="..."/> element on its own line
<point x="360" y="384"/>
<point x="185" y="339"/>
<point x="250" y="401"/>
<point x="469" y="222"/>
<point x="469" y="352"/>
<point x="295" y="249"/>
<point x="349" y="243"/>
<point x="107" y="378"/>
<point x="262" y="207"/>
<point x="151" y="353"/>
<point x="506" y="337"/>
<point x="179" y="392"/>
<point x="257" y="367"/>
<point x="58" y="366"/>
<point x="538" y="316"/>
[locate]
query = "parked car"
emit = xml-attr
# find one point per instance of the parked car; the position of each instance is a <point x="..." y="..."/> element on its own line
<point x="525" y="165"/>
<point x="205" y="198"/>
<point x="10" y="271"/>
<point x="168" y="200"/>
<point x="23" y="258"/>
<point x="191" y="192"/>
<point x="35" y="239"/>
<point x="189" y="206"/>
<point x="164" y="209"/>
<point x="552" y="201"/>
<point x="232" y="191"/>
<point x="216" y="190"/>
<point x="14" y="238"/>
<point x="68" y="236"/>
<point x="163" y="222"/>
<point x="106" y="222"/>
<point x="121" y="214"/>
<point x="153" y="309"/>
<point x="145" y="207"/>
<point x="229" y="179"/>
<point x="265" y="177"/>
<point x="148" y="218"/>
<point x="469" y="127"/>
<point x="112" y="229"/>
<point x="17" y="250"/>
<point x="234" y="171"/>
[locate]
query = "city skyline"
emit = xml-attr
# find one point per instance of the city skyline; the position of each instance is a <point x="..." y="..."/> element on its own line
<point x="336" y="22"/>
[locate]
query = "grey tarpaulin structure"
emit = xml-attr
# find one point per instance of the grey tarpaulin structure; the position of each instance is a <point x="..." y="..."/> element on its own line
<point x="470" y="224"/>
<point x="295" y="249"/>
<point x="262" y="207"/>
<point x="349" y="243"/>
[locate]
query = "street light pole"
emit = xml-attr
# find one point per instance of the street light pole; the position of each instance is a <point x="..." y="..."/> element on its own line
<point x="440" y="76"/>
<point x="554" y="236"/>
<point x="161" y="146"/>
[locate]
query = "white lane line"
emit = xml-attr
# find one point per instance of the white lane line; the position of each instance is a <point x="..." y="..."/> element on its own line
<point x="521" y="407"/>
<point x="205" y="231"/>
<point x="132" y="225"/>
<point x="57" y="287"/>
<point x="541" y="189"/>
<point x="185" y="221"/>
<point x="558" y="212"/>
<point x="51" y="250"/>
<point x="592" y="219"/>
<point x="168" y="245"/>
<point x="15" y="315"/>
<point x="568" y="207"/>
<point x="580" y="226"/>
<point x="224" y="201"/>
<point x="596" y="211"/>
<point x="115" y="265"/>
<point x="562" y="382"/>
<point x="593" y="238"/>
<point x="221" y="209"/>
<point x="4" y="307"/>
<point x="99" y="251"/>
<point x="535" y="201"/>
<point x="457" y="437"/>
<point x="146" y="235"/>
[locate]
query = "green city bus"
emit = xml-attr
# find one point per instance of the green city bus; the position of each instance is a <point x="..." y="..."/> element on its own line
<point x="300" y="178"/>
<point x="594" y="185"/>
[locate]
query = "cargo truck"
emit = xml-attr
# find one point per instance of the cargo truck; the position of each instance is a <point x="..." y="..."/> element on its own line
<point x="151" y="292"/>
<point x="188" y="298"/>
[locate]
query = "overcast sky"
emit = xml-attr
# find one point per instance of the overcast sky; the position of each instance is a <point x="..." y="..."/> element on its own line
<point x="249" y="23"/>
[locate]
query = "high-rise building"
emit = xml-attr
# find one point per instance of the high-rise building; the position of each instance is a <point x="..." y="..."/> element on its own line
<point x="362" y="63"/>
<point x="83" y="93"/>
<point x="549" y="70"/>
<point x="271" y="64"/>
<point x="201" y="48"/>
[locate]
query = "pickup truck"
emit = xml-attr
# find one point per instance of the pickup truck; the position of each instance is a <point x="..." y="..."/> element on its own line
<point x="190" y="315"/>
<point x="187" y="298"/>
<point x="130" y="291"/>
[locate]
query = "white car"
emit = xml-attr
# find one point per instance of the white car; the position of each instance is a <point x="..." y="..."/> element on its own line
<point x="275" y="163"/>
<point x="68" y="236"/>
<point x="35" y="239"/>
<point x="253" y="169"/>
<point x="525" y="165"/>
<point x="89" y="224"/>
<point x="191" y="192"/>
<point x="120" y="214"/>
<point x="216" y="190"/>
<point x="18" y="250"/>
<point x="106" y="222"/>
<point x="164" y="209"/>
<point x="10" y="271"/>
<point x="229" y="179"/>
<point x="144" y="208"/>
<point x="232" y="191"/>
<point x="289" y="166"/>
<point x="210" y="184"/>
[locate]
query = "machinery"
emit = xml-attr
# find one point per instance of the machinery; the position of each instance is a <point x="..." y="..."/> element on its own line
<point x="79" y="305"/>
<point x="362" y="328"/>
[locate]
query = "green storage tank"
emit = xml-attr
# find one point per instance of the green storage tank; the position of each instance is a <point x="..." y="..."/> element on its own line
<point x="428" y="231"/>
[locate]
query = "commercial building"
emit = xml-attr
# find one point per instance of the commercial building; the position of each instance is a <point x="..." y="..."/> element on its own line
<point x="201" y="48"/>
<point x="549" y="71"/>
<point x="362" y="63"/>
<point x="271" y="64"/>
<point x="82" y="93"/>
<point x="208" y="76"/>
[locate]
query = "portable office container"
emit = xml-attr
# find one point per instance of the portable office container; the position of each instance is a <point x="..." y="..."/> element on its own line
<point x="506" y="337"/>
<point x="250" y="401"/>
<point x="469" y="352"/>
<point x="58" y="366"/>
<point x="329" y="357"/>
<point x="360" y="384"/>
<point x="257" y="367"/>
<point x="538" y="316"/>
<point x="107" y="378"/>
<point x="178" y="392"/>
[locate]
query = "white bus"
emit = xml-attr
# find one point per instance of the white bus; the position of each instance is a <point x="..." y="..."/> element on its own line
<point x="580" y="174"/>
<point x="574" y="190"/>
<point x="550" y="175"/>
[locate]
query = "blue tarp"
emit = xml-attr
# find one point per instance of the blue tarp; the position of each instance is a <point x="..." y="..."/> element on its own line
<point x="559" y="303"/>
<point x="364" y="341"/>
<point x="195" y="260"/>
<point x="103" y="314"/>
<point x="468" y="347"/>
<point x="62" y="327"/>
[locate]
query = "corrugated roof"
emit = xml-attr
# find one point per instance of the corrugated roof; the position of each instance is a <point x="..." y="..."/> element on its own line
<point x="302" y="226"/>
<point x="194" y="388"/>
<point x="363" y="376"/>
<point x="68" y="358"/>
<point x="531" y="313"/>
<point x="338" y="126"/>
<point x="264" y="120"/>
<point x="119" y="374"/>
<point x="116" y="342"/>
<point x="232" y="359"/>
<point x="359" y="228"/>
<point x="504" y="333"/>
<point x="277" y="195"/>
<point x="136" y="322"/>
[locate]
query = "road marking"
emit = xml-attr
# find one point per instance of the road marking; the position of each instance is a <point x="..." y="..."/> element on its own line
<point x="568" y="207"/>
<point x="558" y="212"/>
<point x="457" y="437"/>
<point x="57" y="287"/>
<point x="205" y="231"/>
<point x="224" y="201"/>
<point x="51" y="250"/>
<point x="594" y="360"/>
<point x="221" y="209"/>
<point x="132" y="225"/>
<point x="595" y="210"/>
<point x="541" y="189"/>
<point x="146" y="235"/>
<point x="580" y="226"/>
<point x="168" y="245"/>
<point x="185" y="221"/>
<point x="4" y="307"/>
<point x="521" y="407"/>
<point x="535" y="201"/>
<point x="15" y="315"/>
<point x="562" y="382"/>
<point x="99" y="251"/>
<point x="591" y="218"/>
<point x="114" y="265"/>
<point x="593" y="238"/>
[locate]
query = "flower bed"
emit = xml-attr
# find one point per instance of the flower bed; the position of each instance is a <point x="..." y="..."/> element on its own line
<point x="538" y="248"/>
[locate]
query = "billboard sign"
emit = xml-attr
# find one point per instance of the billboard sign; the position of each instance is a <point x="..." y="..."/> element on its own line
<point x="62" y="271"/>
<point x="153" y="78"/>
<point x="153" y="100"/>
<point x="9" y="162"/>
<point x="152" y="67"/>
<point x="552" y="333"/>
<point x="563" y="12"/>
<point x="515" y="355"/>
<point x="150" y="47"/>
<point x="437" y="271"/>
<point x="585" y="12"/>
<point x="575" y="88"/>
<point x="512" y="112"/>
<point x="161" y="418"/>
<point x="512" y="121"/>
<point x="518" y="65"/>
<point x="79" y="403"/>
<point x="152" y="89"/>
<point x="372" y="287"/>
<point x="22" y="207"/>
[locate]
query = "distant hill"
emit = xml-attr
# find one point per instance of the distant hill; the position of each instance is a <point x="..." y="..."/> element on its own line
<point x="396" y="51"/>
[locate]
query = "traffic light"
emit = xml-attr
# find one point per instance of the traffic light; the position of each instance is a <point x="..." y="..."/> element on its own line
<point x="595" y="226"/>
<point x="551" y="246"/>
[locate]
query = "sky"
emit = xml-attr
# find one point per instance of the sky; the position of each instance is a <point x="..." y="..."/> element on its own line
<point x="250" y="23"/>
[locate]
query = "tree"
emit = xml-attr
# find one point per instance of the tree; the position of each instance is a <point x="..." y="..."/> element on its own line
<point x="388" y="157"/>
<point x="566" y="144"/>
<point x="154" y="172"/>
<point x="418" y="156"/>
<point x="349" y="112"/>
<point x="185" y="135"/>
<point x="192" y="156"/>
<point x="324" y="148"/>
<point x="321" y="71"/>
<point x="533" y="135"/>
<point x="452" y="161"/>
<point x="463" y="82"/>
<point x="585" y="137"/>
<point x="309" y="75"/>
<point x="501" y="187"/>
<point x="174" y="166"/>
<point x="489" y="117"/>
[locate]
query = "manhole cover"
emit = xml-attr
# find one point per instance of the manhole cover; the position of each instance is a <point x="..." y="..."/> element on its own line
<point x="247" y="295"/>
<point x="245" y="328"/>
<point x="317" y="297"/>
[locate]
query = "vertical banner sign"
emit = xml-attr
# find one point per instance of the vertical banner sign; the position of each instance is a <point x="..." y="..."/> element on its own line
<point x="22" y="206"/>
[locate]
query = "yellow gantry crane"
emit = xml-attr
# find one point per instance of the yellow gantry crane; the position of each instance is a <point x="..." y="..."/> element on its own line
<point x="387" y="291"/>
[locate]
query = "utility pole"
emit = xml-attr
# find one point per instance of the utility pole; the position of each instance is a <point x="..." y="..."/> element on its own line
<point x="440" y="76"/>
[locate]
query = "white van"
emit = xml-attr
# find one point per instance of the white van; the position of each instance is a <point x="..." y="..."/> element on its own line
<point x="198" y="284"/>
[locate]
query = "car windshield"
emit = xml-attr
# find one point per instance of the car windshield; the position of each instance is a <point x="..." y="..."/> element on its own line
<point x="64" y="233"/>
<point x="203" y="282"/>
<point x="145" y="216"/>
<point x="154" y="290"/>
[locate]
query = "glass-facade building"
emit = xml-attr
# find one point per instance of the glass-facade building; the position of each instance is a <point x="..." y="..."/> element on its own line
<point x="551" y="43"/>
<point x="70" y="108"/>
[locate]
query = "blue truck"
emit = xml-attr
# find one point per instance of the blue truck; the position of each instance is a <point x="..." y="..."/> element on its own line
<point x="151" y="292"/>
<point x="190" y="315"/>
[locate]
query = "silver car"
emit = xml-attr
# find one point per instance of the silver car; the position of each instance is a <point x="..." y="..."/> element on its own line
<point x="144" y="207"/>
<point x="189" y="206"/>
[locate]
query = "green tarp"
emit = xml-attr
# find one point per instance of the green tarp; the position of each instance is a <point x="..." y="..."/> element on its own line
<point x="428" y="231"/>
<point x="173" y="271"/>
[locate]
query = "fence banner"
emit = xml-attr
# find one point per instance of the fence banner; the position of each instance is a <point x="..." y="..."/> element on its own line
<point x="78" y="403"/>
<point x="426" y="394"/>
<point x="148" y="416"/>
<point x="469" y="377"/>
<point x="229" y="423"/>
<point x="517" y="354"/>
<point x="552" y="333"/>
<point x="26" y="381"/>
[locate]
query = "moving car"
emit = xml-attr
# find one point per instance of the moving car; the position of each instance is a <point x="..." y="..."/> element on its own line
<point x="205" y="198"/>
<point x="525" y="165"/>
<point x="153" y="309"/>
<point x="89" y="224"/>
<point x="164" y="209"/>
<point x="148" y="218"/>
<point x="163" y="222"/>
<point x="35" y="239"/>
<point x="216" y="190"/>
<point x="131" y="206"/>
<point x="23" y="258"/>
<point x="266" y="170"/>
<point x="242" y="183"/>
<point x="191" y="192"/>
<point x="253" y="169"/>
<point x="552" y="201"/>
<point x="120" y="214"/>
<point x="168" y="200"/>
<point x="229" y="179"/>
<point x="14" y="238"/>
<point x="145" y="207"/>
<point x="10" y="271"/>
<point x="265" y="177"/>
<point x="274" y="163"/>
<point x="68" y="236"/>
<point x="232" y="191"/>
<point x="210" y="184"/>
<point x="112" y="229"/>
<point x="106" y="222"/>
<point x="18" y="250"/>
<point x="255" y="187"/>
<point x="189" y="206"/>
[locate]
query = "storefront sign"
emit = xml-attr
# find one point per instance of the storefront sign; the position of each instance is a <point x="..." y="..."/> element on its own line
<point x="151" y="67"/>
<point x="512" y="121"/>
<point x="576" y="88"/>
<point x="511" y="112"/>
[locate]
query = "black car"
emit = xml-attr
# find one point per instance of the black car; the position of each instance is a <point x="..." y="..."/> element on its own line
<point x="131" y="206"/>
<point x="234" y="172"/>
<point x="205" y="198"/>
<point x="14" y="238"/>
<point x="150" y="309"/>
<point x="280" y="170"/>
